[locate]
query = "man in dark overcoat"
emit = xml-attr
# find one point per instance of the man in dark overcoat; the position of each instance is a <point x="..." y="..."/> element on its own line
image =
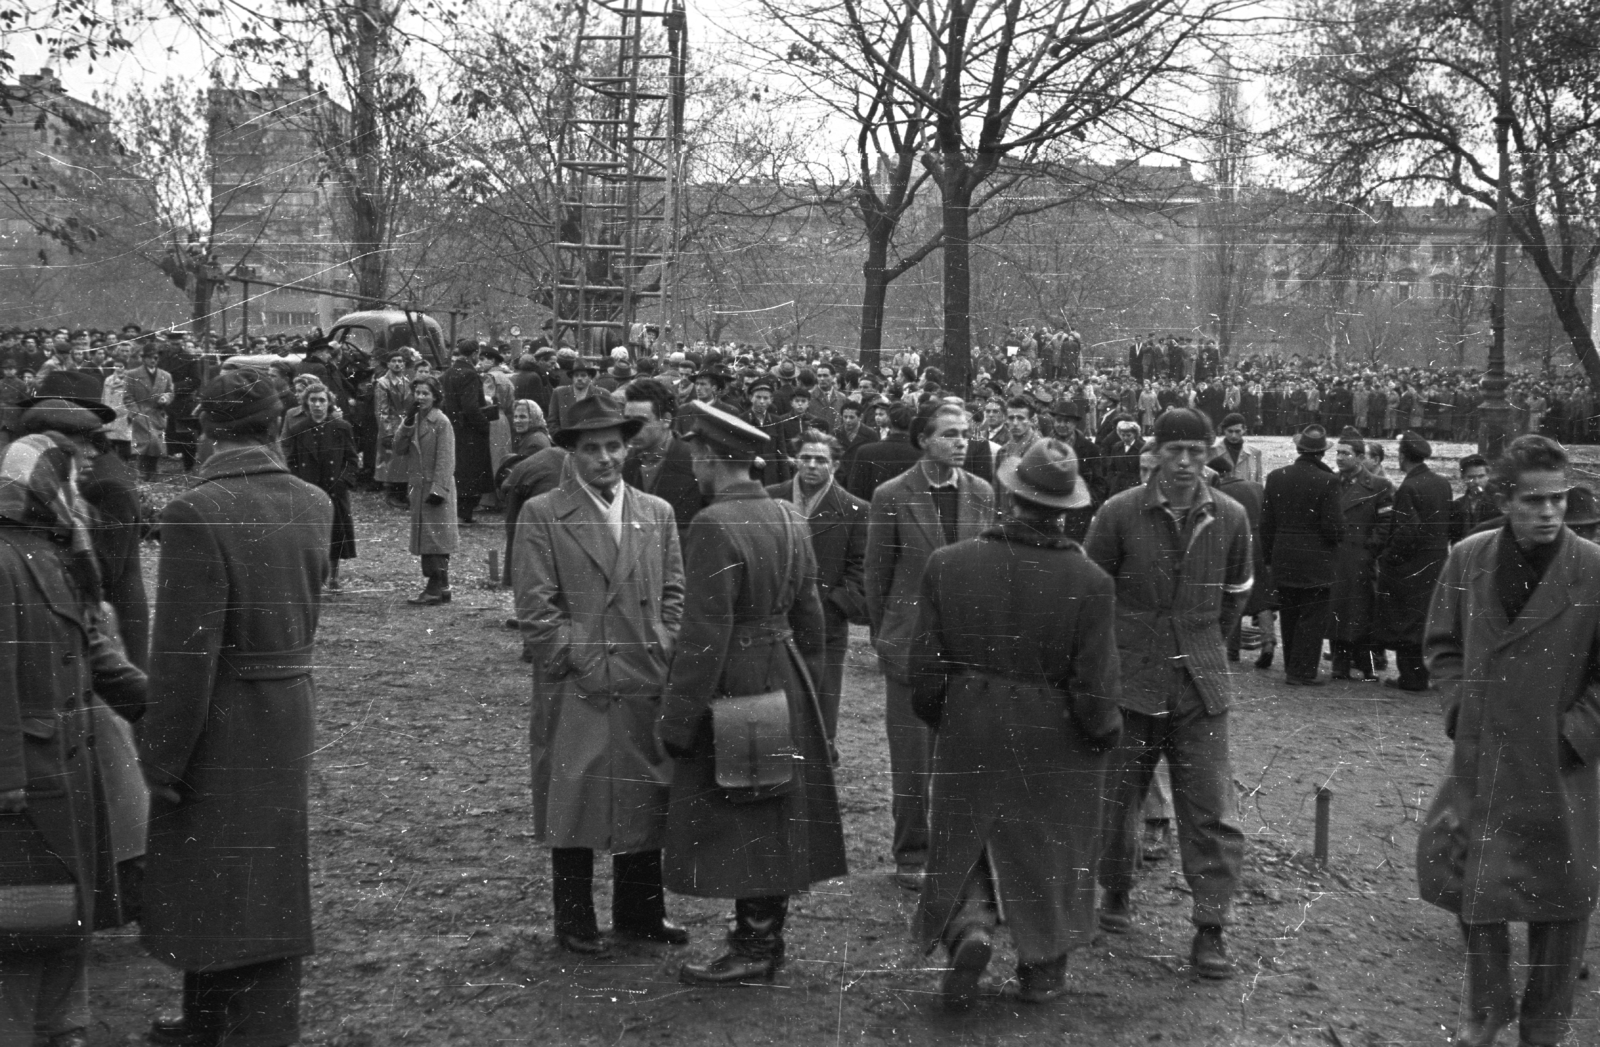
<point x="886" y="458"/>
<point x="1015" y="671"/>
<point x="1513" y="833"/>
<point x="464" y="405"/>
<point x="226" y="743"/>
<point x="752" y="625"/>
<point x="931" y="505"/>
<point x="1418" y="541"/>
<point x="659" y="461"/>
<point x="838" y="521"/>
<point x="1301" y="528"/>
<point x="1366" y="502"/>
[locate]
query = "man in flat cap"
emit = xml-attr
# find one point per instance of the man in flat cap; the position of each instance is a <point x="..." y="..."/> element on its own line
<point x="752" y="627"/>
<point x="227" y="739"/>
<point x="781" y="430"/>
<point x="1417" y="546"/>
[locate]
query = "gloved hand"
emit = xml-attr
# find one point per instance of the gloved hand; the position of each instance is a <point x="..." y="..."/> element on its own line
<point x="434" y="499"/>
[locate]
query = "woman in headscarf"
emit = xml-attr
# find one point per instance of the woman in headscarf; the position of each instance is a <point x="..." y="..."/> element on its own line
<point x="321" y="450"/>
<point x="529" y="435"/>
<point x="428" y="445"/>
<point x="54" y="854"/>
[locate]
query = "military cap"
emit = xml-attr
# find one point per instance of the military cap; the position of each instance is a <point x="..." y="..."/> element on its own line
<point x="721" y="431"/>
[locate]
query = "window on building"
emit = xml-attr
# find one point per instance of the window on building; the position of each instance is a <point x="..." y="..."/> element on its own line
<point x="292" y="319"/>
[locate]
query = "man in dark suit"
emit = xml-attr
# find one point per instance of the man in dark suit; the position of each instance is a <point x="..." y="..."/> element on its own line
<point x="782" y="429"/>
<point x="1119" y="457"/>
<point x="463" y="404"/>
<point x="853" y="434"/>
<point x="1476" y="504"/>
<point x="1417" y="547"/>
<point x="927" y="507"/>
<point x="1302" y="524"/>
<point x="839" y="538"/>
<point x="886" y="458"/>
<point x="1069" y="430"/>
<point x="659" y="462"/>
<point x="561" y="401"/>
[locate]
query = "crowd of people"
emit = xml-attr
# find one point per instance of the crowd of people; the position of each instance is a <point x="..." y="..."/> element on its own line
<point x="1056" y="574"/>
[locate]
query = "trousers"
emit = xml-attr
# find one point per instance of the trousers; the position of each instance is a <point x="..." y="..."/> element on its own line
<point x="1555" y="953"/>
<point x="908" y="775"/>
<point x="1210" y="839"/>
<point x="257" y="1005"/>
<point x="43" y="993"/>
<point x="1303" y="619"/>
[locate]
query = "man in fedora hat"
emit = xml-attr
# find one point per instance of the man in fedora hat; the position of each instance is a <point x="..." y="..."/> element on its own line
<point x="1014" y="630"/>
<point x="709" y="386"/>
<point x="1418" y="543"/>
<point x="599" y="591"/>
<point x="752" y="625"/>
<point x="1302" y="524"/>
<point x="583" y="372"/>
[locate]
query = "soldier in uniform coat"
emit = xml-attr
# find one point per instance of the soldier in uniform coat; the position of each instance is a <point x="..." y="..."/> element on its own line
<point x="600" y="596"/>
<point x="838" y="521"/>
<point x="1366" y="502"/>
<point x="228" y="738"/>
<point x="1015" y="671"/>
<point x="752" y="624"/>
<point x="1513" y="833"/>
<point x="1417" y="543"/>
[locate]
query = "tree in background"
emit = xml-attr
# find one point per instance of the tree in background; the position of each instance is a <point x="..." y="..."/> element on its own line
<point x="1398" y="97"/>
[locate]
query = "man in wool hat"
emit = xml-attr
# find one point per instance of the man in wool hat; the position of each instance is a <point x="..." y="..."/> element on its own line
<point x="752" y="626"/>
<point x="1302" y="525"/>
<point x="228" y="738"/>
<point x="1180" y="555"/>
<point x="1418" y="542"/>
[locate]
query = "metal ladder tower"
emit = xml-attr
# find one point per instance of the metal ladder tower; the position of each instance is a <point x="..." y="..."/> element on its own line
<point x="619" y="165"/>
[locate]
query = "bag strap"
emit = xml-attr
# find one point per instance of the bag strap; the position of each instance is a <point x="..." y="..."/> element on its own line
<point x="791" y="527"/>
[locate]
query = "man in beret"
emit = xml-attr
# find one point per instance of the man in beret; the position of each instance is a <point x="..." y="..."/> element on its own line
<point x="1302" y="525"/>
<point x="1180" y="554"/>
<point x="228" y="737"/>
<point x="783" y="431"/>
<point x="1416" y="547"/>
<point x="752" y="625"/>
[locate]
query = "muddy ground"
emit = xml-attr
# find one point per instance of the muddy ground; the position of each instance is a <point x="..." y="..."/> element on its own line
<point x="433" y="909"/>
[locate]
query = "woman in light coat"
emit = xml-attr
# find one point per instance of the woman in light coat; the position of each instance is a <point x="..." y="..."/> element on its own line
<point x="428" y="445"/>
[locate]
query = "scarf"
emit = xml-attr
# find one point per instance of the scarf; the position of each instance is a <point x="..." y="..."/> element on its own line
<point x="39" y="489"/>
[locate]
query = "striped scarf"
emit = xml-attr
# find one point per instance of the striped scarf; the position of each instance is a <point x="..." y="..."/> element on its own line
<point x="39" y="489"/>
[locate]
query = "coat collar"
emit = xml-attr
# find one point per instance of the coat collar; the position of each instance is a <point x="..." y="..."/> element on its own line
<point x="244" y="460"/>
<point x="1549" y="600"/>
<point x="575" y="507"/>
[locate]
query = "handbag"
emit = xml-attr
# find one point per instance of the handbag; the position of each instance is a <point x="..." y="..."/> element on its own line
<point x="754" y="750"/>
<point x="38" y="915"/>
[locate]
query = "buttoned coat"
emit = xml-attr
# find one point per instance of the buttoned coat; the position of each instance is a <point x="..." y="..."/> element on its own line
<point x="839" y="539"/>
<point x="429" y="449"/>
<point x="231" y="719"/>
<point x="903" y="530"/>
<point x="879" y="462"/>
<point x="463" y="403"/>
<point x="1514" y="830"/>
<point x="147" y="415"/>
<point x="1170" y="597"/>
<point x="1302" y="524"/>
<point x="1366" y="501"/>
<point x="391" y="399"/>
<point x="601" y="619"/>
<point x="1015" y="667"/>
<point x="44" y="743"/>
<point x="1418" y="542"/>
<point x="752" y="624"/>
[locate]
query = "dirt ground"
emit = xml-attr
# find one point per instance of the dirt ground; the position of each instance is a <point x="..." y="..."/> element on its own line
<point x="433" y="907"/>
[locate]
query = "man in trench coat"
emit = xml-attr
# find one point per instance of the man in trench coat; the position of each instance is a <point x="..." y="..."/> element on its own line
<point x="752" y="625"/>
<point x="1015" y="670"/>
<point x="599" y="579"/>
<point x="1513" y="640"/>
<point x="1366" y="502"/>
<point x="1418" y="542"/>
<point x="227" y="739"/>
<point x="462" y="402"/>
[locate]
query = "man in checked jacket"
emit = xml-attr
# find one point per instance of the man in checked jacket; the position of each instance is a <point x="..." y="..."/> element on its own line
<point x="1179" y="552"/>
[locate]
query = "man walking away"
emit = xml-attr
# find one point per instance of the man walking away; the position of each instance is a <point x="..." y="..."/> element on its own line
<point x="1301" y="528"/>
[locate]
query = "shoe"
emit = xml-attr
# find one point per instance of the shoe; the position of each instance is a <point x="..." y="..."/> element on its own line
<point x="1480" y="1031"/>
<point x="1209" y="954"/>
<point x="968" y="959"/>
<point x="398" y="503"/>
<point x="732" y="969"/>
<point x="1116" y="912"/>
<point x="583" y="944"/>
<point x="70" y="1038"/>
<point x="173" y="1030"/>
<point x="909" y="877"/>
<point x="1041" y="982"/>
<point x="666" y="932"/>
<point x="333" y="585"/>
<point x="1301" y="681"/>
<point x="513" y="623"/>
<point x="444" y="594"/>
<point x="1233" y="656"/>
<point x="1265" y="659"/>
<point x="1394" y="684"/>
<point x="1369" y="678"/>
<point x="427" y="599"/>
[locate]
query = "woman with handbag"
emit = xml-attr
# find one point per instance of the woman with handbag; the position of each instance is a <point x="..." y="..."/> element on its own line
<point x="50" y="858"/>
<point x="428" y="444"/>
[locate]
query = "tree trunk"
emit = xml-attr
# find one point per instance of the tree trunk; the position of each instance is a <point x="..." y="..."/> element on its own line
<point x="371" y="263"/>
<point x="957" y="204"/>
<point x="201" y="290"/>
<point x="1565" y="299"/>
<point x="874" y="297"/>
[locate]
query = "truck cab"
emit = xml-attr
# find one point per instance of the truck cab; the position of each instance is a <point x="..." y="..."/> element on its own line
<point x="380" y="332"/>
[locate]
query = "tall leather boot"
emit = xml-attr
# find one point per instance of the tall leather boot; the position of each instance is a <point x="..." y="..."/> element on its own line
<point x="755" y="946"/>
<point x="443" y="577"/>
<point x="572" y="897"/>
<point x="639" y="902"/>
<point x="430" y="591"/>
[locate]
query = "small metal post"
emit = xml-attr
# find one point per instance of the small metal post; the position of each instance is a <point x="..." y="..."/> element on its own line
<point x="1324" y="803"/>
<point x="494" y="567"/>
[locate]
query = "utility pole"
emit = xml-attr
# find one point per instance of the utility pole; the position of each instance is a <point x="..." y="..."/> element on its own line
<point x="1494" y="411"/>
